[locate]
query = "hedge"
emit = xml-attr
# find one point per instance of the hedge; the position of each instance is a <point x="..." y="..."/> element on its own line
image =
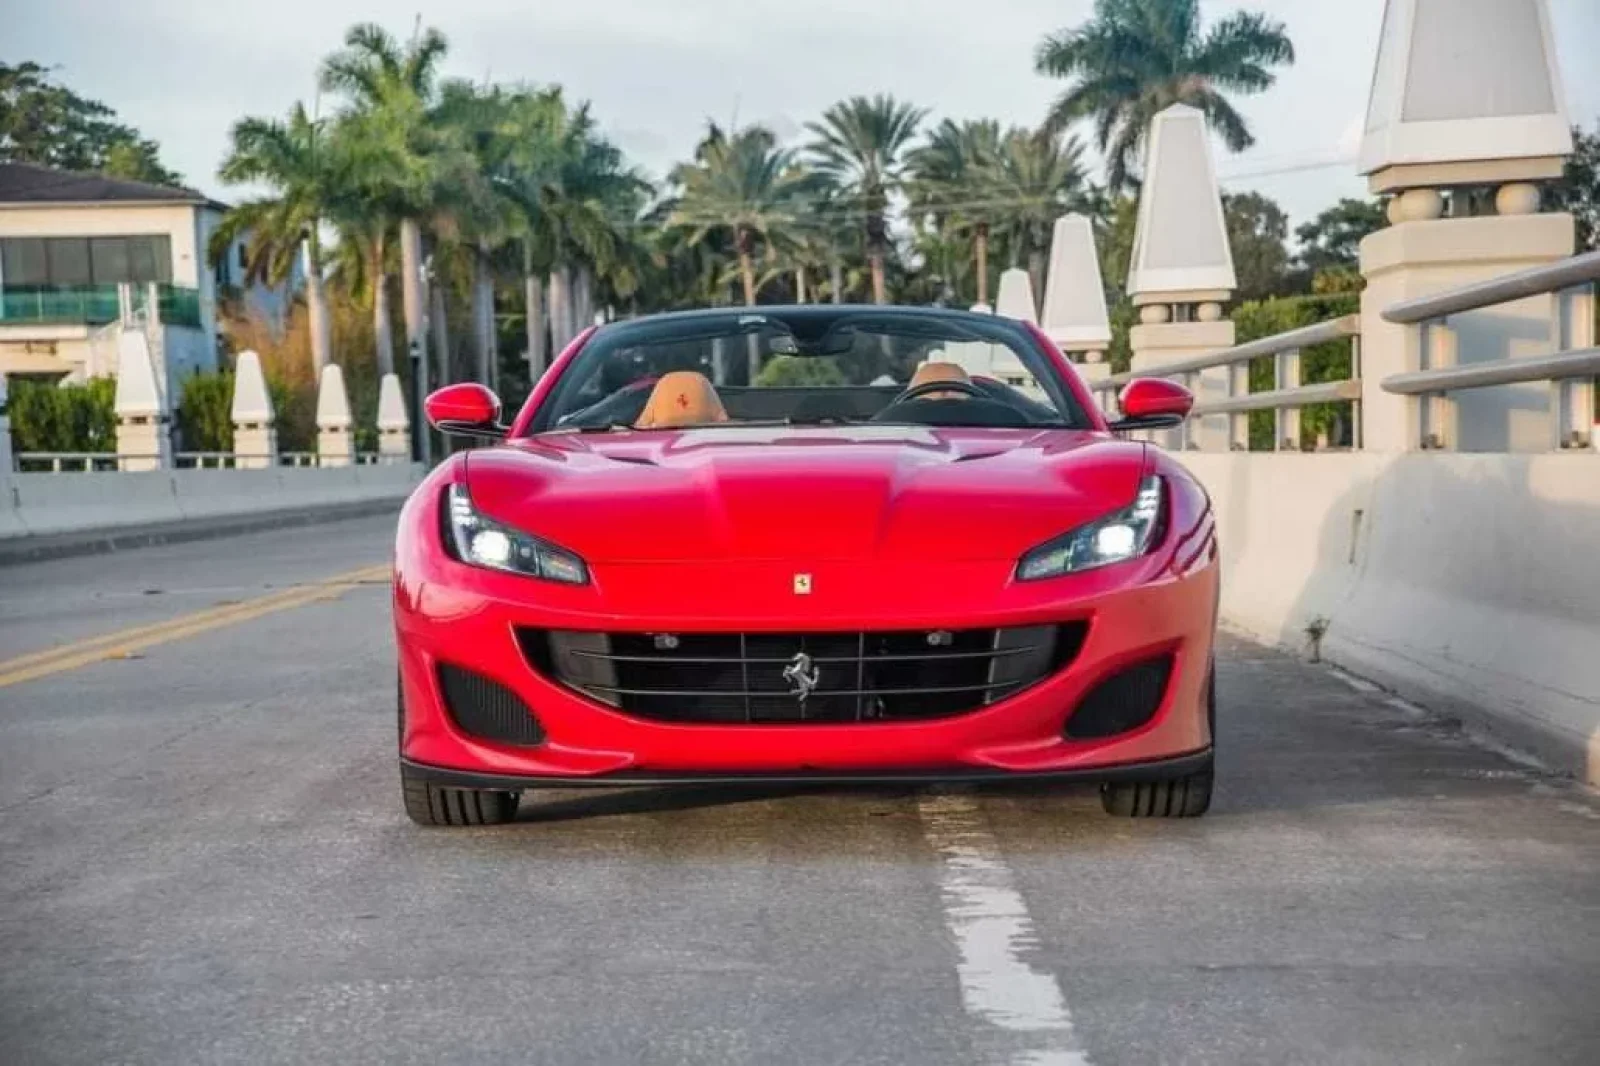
<point x="46" y="417"/>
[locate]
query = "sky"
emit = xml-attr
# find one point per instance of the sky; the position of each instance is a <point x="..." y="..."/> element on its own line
<point x="656" y="70"/>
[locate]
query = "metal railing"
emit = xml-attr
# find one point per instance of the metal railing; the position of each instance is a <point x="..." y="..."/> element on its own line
<point x="1571" y="368"/>
<point x="1285" y="399"/>
<point x="66" y="462"/>
<point x="204" y="460"/>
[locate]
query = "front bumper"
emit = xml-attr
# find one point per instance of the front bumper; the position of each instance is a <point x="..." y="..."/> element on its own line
<point x="449" y="613"/>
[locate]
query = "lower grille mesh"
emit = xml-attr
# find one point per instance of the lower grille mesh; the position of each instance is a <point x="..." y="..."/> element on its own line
<point x="767" y="678"/>
<point x="1125" y="700"/>
<point x="487" y="709"/>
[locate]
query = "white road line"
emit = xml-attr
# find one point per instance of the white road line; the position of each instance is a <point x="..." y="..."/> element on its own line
<point x="1025" y="1016"/>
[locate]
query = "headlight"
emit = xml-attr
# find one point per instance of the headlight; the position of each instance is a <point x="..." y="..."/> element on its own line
<point x="1115" y="538"/>
<point x="484" y="542"/>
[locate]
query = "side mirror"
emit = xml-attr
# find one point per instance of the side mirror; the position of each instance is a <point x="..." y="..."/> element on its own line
<point x="1152" y="403"/>
<point x="465" y="410"/>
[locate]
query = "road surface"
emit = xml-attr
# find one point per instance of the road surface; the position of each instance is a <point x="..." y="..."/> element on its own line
<point x="203" y="859"/>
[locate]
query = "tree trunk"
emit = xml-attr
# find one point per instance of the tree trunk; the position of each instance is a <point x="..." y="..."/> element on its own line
<point x="411" y="296"/>
<point x="560" y="309"/>
<point x="836" y="278"/>
<point x="441" y="337"/>
<point x="1036" y="273"/>
<point x="483" y="316"/>
<point x="583" y="299"/>
<point x="748" y="273"/>
<point x="317" y="306"/>
<point x="533" y="308"/>
<point x="382" y="330"/>
<point x="799" y="285"/>
<point x="981" y="246"/>
<point x="879" y="296"/>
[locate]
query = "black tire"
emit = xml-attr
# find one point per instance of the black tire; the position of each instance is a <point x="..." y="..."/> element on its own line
<point x="436" y="805"/>
<point x="1176" y="797"/>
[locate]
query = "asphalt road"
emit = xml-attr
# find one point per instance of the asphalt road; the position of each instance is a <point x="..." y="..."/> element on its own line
<point x="203" y="860"/>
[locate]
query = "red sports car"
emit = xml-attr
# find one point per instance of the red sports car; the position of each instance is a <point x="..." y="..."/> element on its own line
<point x="805" y="545"/>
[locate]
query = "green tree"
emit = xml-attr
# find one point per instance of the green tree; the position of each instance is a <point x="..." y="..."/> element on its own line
<point x="1038" y="177"/>
<point x="744" y="186"/>
<point x="1578" y="191"/>
<point x="954" y="175"/>
<point x="1331" y="242"/>
<point x="304" y="169"/>
<point x="1135" y="58"/>
<point x="390" y="92"/>
<point x="860" y="145"/>
<point x="1257" y="228"/>
<point x="46" y="123"/>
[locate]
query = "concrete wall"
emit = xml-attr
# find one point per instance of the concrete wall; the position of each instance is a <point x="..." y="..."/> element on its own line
<point x="44" y="505"/>
<point x="1464" y="581"/>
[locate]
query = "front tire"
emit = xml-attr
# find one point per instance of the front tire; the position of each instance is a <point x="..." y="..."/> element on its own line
<point x="1188" y="796"/>
<point x="437" y="805"/>
<point x="1176" y="797"/>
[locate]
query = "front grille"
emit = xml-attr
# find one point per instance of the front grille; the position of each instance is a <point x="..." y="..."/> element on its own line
<point x="1126" y="700"/>
<point x="759" y="678"/>
<point x="487" y="709"/>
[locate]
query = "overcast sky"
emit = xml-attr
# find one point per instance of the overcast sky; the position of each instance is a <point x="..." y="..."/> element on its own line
<point x="182" y="71"/>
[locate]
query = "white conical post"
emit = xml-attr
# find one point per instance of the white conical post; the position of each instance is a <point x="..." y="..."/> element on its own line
<point x="394" y="426"/>
<point x="140" y="406"/>
<point x="335" y="443"/>
<point x="255" y="434"/>
<point x="1074" y="315"/>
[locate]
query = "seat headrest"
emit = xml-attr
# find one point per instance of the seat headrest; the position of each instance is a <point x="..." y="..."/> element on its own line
<point x="929" y="372"/>
<point x="681" y="398"/>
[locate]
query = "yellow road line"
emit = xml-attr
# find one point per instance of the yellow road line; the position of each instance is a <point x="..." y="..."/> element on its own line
<point x="126" y="641"/>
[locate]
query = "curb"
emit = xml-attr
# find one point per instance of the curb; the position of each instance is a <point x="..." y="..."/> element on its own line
<point x="18" y="550"/>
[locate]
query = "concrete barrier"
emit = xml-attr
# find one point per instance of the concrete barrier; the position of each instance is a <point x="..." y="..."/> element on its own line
<point x="43" y="514"/>
<point x="1464" y="581"/>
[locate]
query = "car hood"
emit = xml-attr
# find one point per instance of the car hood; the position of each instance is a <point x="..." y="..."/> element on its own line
<point x="803" y="493"/>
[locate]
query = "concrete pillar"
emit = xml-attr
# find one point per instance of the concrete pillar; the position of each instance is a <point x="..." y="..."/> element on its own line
<point x="1181" y="271"/>
<point x="1075" y="315"/>
<point x="394" y="427"/>
<point x="335" y="443"/>
<point x="1459" y="105"/>
<point x="255" y="436"/>
<point x="140" y="406"/>
<point x="1015" y="300"/>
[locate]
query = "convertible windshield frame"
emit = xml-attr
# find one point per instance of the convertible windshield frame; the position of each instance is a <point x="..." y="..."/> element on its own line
<point x="812" y="322"/>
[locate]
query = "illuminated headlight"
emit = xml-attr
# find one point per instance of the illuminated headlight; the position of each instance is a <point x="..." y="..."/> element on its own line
<point x="484" y="542"/>
<point x="1117" y="537"/>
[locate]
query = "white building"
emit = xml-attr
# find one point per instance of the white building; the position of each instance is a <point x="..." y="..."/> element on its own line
<point x="80" y="257"/>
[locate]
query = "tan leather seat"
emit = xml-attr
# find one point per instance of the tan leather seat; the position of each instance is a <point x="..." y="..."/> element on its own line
<point x="681" y="398"/>
<point x="940" y="372"/>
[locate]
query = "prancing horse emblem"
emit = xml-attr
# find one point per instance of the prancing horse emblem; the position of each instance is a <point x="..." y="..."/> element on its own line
<point x="802" y="675"/>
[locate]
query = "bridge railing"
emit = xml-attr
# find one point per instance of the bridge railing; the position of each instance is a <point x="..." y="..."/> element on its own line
<point x="1571" y="367"/>
<point x="1285" y="399"/>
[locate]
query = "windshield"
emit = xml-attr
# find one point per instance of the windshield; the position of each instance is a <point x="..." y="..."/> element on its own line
<point x="810" y="366"/>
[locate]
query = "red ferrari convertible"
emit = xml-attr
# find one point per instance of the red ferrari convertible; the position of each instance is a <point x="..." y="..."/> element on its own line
<point x="805" y="545"/>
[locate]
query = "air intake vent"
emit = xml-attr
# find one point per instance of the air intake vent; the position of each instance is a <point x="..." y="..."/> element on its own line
<point x="1126" y="700"/>
<point x="487" y="709"/>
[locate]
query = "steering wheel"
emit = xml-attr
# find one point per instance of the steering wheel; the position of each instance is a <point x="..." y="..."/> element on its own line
<point x="927" y="388"/>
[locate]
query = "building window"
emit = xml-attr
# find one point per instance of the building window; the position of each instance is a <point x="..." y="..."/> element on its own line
<point x="62" y="262"/>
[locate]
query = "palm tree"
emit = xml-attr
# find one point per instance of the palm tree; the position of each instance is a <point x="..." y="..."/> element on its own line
<point x="861" y="145"/>
<point x="744" y="185"/>
<point x="954" y="179"/>
<point x="295" y="159"/>
<point x="390" y="91"/>
<point x="1039" y="177"/>
<point x="1138" y="57"/>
